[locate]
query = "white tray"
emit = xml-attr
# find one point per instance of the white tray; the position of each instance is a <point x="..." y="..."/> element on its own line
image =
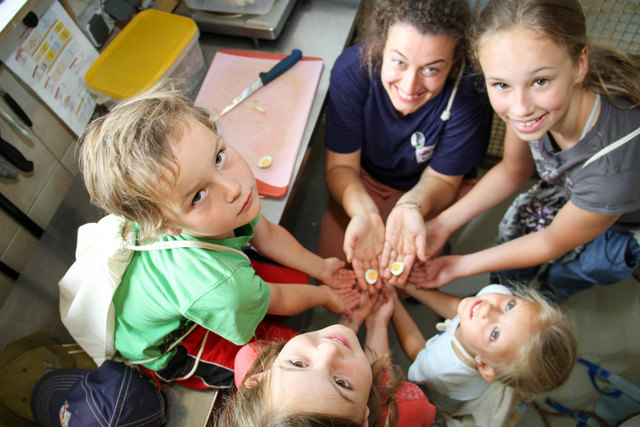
<point x="252" y="7"/>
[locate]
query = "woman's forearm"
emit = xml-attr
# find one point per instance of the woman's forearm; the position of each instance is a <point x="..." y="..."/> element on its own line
<point x="342" y="176"/>
<point x="346" y="188"/>
<point x="432" y="192"/>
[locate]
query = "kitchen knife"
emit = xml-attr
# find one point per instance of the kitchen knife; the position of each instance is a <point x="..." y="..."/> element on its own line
<point x="265" y="78"/>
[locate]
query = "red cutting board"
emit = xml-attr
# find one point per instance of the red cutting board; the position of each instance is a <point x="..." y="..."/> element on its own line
<point x="276" y="132"/>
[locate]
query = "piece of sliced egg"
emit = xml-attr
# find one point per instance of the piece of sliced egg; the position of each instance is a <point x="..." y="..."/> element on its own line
<point x="397" y="268"/>
<point x="371" y="276"/>
<point x="265" y="162"/>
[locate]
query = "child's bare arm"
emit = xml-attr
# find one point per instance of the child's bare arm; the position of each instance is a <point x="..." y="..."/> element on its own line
<point x="445" y="305"/>
<point x="374" y="310"/>
<point x="377" y="340"/>
<point x="276" y="243"/>
<point x="359" y="312"/>
<point x="411" y="339"/>
<point x="288" y="299"/>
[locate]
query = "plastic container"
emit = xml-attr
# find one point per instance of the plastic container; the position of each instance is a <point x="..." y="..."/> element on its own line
<point x="153" y="46"/>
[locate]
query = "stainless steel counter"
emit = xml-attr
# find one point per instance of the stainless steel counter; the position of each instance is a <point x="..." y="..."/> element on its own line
<point x="320" y="28"/>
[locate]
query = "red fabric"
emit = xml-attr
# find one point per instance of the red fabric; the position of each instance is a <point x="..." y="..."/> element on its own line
<point x="222" y="352"/>
<point x="277" y="273"/>
<point x="414" y="407"/>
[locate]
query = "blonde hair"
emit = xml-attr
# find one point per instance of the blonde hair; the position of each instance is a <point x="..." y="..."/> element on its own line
<point x="449" y="18"/>
<point x="250" y="406"/>
<point x="126" y="156"/>
<point x="612" y="71"/>
<point x="549" y="353"/>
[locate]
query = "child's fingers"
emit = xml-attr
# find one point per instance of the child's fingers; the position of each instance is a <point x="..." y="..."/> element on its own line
<point x="351" y="299"/>
<point x="359" y="270"/>
<point x="345" y="275"/>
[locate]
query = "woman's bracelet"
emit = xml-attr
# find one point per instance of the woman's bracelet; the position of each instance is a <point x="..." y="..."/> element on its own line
<point x="408" y="204"/>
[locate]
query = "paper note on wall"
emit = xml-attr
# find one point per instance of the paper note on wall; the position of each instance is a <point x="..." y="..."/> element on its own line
<point x="52" y="59"/>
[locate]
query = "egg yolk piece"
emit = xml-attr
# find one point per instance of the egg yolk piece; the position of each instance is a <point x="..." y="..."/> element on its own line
<point x="371" y="276"/>
<point x="397" y="268"/>
<point x="265" y="162"/>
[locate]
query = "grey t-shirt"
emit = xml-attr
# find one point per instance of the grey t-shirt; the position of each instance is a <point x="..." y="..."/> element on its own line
<point x="611" y="184"/>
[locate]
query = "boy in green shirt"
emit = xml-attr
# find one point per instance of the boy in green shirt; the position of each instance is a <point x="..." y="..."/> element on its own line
<point x="157" y="160"/>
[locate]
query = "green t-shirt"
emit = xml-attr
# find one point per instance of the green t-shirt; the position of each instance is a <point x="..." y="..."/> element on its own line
<point x="164" y="291"/>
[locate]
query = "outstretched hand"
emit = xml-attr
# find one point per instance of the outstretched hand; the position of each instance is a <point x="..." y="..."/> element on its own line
<point x="335" y="275"/>
<point x="357" y="315"/>
<point x="436" y="237"/>
<point x="434" y="273"/>
<point x="342" y="281"/>
<point x="336" y="303"/>
<point x="363" y="243"/>
<point x="372" y="308"/>
<point x="405" y="239"/>
<point x="383" y="306"/>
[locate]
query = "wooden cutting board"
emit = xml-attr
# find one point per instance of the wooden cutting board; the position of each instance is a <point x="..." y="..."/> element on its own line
<point x="277" y="130"/>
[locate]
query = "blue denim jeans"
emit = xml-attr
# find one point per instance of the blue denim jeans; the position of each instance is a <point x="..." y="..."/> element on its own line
<point x="607" y="259"/>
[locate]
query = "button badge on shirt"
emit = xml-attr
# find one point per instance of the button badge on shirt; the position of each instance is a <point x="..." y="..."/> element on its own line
<point x="423" y="153"/>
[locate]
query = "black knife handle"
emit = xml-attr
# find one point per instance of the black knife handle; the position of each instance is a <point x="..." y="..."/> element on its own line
<point x="16" y="109"/>
<point x="12" y="154"/>
<point x="281" y="66"/>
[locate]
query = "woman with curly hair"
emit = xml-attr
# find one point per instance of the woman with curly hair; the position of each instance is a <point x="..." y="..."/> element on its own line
<point x="405" y="127"/>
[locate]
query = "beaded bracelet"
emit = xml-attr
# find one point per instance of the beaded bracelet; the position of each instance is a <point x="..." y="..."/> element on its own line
<point x="408" y="204"/>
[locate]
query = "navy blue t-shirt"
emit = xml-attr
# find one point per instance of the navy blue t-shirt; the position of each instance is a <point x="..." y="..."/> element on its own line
<point x="361" y="115"/>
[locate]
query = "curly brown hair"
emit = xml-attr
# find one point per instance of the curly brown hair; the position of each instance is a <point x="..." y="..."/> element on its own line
<point x="449" y="18"/>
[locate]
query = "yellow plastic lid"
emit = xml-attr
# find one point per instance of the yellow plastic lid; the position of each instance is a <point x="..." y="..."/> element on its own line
<point x="141" y="54"/>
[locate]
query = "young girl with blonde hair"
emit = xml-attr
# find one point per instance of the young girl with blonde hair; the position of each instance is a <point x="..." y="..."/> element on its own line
<point x="572" y="111"/>
<point x="325" y="378"/>
<point x="516" y="338"/>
